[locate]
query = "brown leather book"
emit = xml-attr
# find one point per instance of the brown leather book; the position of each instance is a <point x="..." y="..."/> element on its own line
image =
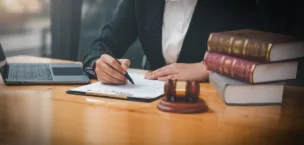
<point x="250" y="71"/>
<point x="256" y="45"/>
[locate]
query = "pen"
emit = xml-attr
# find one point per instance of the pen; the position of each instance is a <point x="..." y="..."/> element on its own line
<point x="126" y="74"/>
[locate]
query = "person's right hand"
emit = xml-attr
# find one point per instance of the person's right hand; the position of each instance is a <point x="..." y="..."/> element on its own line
<point x="109" y="71"/>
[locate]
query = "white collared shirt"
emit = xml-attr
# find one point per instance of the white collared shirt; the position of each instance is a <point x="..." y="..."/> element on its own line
<point x="176" y="20"/>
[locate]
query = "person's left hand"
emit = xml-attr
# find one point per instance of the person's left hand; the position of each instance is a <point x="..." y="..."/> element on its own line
<point x="180" y="71"/>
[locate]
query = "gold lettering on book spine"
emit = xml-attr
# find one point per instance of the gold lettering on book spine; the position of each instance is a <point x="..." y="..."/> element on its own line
<point x="227" y="66"/>
<point x="268" y="52"/>
<point x="223" y="44"/>
<point x="213" y="43"/>
<point x="257" y="51"/>
<point x="233" y="67"/>
<point x="237" y="47"/>
<point x="244" y="70"/>
<point x="251" y="73"/>
<point x="230" y="45"/>
<point x="262" y="53"/>
<point x="209" y="41"/>
<point x="245" y="48"/>
<point x="253" y="50"/>
<point x="221" y="64"/>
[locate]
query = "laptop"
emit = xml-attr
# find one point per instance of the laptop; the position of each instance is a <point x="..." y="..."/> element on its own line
<point x="41" y="73"/>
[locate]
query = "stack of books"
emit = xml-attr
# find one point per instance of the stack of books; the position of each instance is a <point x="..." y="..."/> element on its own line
<point x="251" y="67"/>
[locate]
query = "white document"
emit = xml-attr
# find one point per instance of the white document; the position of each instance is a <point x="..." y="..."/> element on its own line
<point x="142" y="88"/>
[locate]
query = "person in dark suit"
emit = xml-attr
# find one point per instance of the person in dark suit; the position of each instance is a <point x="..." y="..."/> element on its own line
<point x="173" y="35"/>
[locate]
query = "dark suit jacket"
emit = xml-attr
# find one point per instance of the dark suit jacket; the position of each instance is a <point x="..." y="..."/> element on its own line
<point x="143" y="19"/>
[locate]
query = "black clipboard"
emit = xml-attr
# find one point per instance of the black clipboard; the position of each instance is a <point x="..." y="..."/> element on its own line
<point x="112" y="96"/>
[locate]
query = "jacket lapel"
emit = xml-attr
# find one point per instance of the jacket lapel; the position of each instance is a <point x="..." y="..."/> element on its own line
<point x="193" y="44"/>
<point x="155" y="11"/>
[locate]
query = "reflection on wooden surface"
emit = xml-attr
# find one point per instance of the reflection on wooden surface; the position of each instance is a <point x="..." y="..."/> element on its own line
<point x="26" y="116"/>
<point x="46" y="115"/>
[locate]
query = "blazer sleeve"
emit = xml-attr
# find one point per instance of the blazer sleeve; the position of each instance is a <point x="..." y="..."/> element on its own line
<point x="117" y="35"/>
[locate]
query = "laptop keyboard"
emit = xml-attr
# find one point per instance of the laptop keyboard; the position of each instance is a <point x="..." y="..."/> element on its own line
<point x="30" y="72"/>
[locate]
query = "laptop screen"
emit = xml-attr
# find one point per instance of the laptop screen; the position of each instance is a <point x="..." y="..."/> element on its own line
<point x="3" y="64"/>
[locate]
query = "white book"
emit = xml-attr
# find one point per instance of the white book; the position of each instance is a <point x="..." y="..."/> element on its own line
<point x="234" y="92"/>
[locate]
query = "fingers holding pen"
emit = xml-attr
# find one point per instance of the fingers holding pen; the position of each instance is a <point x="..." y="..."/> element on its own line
<point x="125" y="63"/>
<point x="112" y="62"/>
<point x="109" y="71"/>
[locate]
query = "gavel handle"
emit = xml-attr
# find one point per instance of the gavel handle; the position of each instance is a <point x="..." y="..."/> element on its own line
<point x="181" y="89"/>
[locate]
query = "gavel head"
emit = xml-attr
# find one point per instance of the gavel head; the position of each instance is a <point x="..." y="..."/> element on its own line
<point x="181" y="90"/>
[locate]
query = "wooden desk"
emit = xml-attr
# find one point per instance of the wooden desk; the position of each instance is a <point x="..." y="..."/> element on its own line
<point x="46" y="115"/>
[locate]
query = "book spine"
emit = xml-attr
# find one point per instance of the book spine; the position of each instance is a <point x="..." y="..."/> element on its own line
<point x="230" y="66"/>
<point x="241" y="47"/>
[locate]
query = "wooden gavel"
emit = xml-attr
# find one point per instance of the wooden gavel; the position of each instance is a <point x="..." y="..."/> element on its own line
<point x="185" y="91"/>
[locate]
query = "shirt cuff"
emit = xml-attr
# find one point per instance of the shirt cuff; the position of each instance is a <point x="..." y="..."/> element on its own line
<point x="91" y="68"/>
